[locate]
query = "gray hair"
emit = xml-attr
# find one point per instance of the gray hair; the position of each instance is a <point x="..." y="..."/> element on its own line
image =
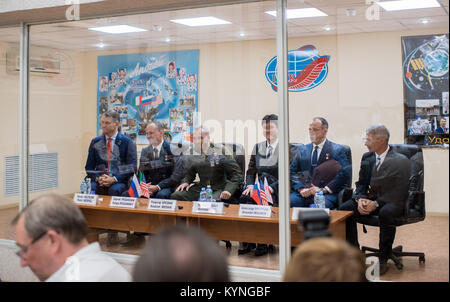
<point x="379" y="131"/>
<point x="158" y="125"/>
<point x="114" y="115"/>
<point x="54" y="212"/>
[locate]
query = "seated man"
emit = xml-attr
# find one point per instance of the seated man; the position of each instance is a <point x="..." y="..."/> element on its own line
<point x="330" y="177"/>
<point x="381" y="190"/>
<point x="214" y="167"/>
<point x="264" y="164"/>
<point x="51" y="234"/>
<point x="111" y="160"/>
<point x="163" y="170"/>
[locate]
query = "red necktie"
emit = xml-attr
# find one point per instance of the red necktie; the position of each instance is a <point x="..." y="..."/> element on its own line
<point x="108" y="152"/>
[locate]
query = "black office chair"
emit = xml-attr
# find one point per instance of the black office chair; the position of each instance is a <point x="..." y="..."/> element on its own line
<point x="414" y="207"/>
<point x="346" y="192"/>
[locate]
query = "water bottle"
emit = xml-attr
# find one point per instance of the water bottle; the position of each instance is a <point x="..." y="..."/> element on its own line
<point x="319" y="199"/>
<point x="203" y="195"/>
<point x="209" y="194"/>
<point x="83" y="187"/>
<point x="88" y="186"/>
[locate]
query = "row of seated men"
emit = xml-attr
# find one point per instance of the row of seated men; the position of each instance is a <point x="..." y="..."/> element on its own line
<point x="111" y="163"/>
<point x="321" y="165"/>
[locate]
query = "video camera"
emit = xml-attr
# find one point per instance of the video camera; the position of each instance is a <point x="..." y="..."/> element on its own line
<point x="314" y="223"/>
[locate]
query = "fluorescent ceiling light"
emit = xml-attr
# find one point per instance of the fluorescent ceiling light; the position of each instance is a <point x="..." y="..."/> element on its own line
<point x="407" y="4"/>
<point x="15" y="5"/>
<point x="300" y="13"/>
<point x="202" y="21"/>
<point x="117" y="29"/>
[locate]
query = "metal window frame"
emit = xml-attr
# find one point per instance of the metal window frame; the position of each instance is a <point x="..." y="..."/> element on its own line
<point x="283" y="107"/>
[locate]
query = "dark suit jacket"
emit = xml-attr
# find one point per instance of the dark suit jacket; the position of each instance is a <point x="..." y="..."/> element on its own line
<point x="390" y="184"/>
<point x="300" y="167"/>
<point x="262" y="166"/>
<point x="122" y="161"/>
<point x="224" y="174"/>
<point x="441" y="130"/>
<point x="166" y="172"/>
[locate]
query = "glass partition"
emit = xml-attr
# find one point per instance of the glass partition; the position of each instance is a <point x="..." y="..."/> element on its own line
<point x="204" y="90"/>
<point x="9" y="165"/>
<point x="163" y="81"/>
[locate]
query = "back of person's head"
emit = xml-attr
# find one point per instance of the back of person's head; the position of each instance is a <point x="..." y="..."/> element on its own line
<point x="181" y="254"/>
<point x="326" y="260"/>
<point x="54" y="212"/>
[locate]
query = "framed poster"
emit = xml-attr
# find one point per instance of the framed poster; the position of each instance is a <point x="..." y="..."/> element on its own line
<point x="146" y="87"/>
<point x="425" y="88"/>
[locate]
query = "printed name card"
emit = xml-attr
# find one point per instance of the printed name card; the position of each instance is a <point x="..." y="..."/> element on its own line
<point x="123" y="202"/>
<point x="86" y="199"/>
<point x="162" y="204"/>
<point x="255" y="210"/>
<point x="296" y="211"/>
<point x="207" y="207"/>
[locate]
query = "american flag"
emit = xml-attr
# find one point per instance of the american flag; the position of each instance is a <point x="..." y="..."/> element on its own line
<point x="144" y="185"/>
<point x="258" y="195"/>
<point x="267" y="192"/>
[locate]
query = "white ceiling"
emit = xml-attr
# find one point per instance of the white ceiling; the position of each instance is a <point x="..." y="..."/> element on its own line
<point x="249" y="19"/>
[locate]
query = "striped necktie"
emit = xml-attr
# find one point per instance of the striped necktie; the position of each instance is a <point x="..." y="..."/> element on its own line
<point x="378" y="163"/>
<point x="108" y="152"/>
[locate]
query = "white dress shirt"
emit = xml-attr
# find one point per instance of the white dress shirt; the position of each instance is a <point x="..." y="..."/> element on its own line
<point x="158" y="148"/>
<point x="113" y="140"/>
<point x="273" y="145"/>
<point x="90" y="264"/>
<point x="319" y="150"/>
<point x="382" y="156"/>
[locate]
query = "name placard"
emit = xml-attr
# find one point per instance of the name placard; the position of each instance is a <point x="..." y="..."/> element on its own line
<point x="207" y="207"/>
<point x="255" y="210"/>
<point x="86" y="199"/>
<point x="123" y="202"/>
<point x="162" y="204"/>
<point x="296" y="211"/>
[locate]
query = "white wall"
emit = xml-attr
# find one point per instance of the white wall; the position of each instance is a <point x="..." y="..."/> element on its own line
<point x="363" y="87"/>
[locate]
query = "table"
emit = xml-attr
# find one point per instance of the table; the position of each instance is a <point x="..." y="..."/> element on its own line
<point x="228" y="226"/>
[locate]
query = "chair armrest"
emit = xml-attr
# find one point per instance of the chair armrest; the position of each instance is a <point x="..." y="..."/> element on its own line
<point x="416" y="201"/>
<point x="344" y="195"/>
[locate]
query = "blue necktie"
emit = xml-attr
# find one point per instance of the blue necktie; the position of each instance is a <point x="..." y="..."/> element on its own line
<point x="314" y="158"/>
<point x="269" y="153"/>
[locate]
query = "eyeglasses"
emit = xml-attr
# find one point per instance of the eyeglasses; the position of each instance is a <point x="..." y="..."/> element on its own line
<point x="23" y="250"/>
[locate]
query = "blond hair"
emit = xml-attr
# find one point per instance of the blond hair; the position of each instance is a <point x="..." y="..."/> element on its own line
<point x="326" y="260"/>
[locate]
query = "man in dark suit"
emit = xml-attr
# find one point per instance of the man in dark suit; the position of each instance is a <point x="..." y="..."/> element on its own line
<point x="381" y="190"/>
<point x="111" y="160"/>
<point x="309" y="158"/>
<point x="162" y="169"/>
<point x="442" y="129"/>
<point x="214" y="165"/>
<point x="264" y="164"/>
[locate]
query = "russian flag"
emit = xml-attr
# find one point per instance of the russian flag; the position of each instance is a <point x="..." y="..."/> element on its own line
<point x="135" y="188"/>
<point x="150" y="100"/>
<point x="256" y="193"/>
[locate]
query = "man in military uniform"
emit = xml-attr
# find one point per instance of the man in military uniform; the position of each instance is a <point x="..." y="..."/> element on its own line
<point x="214" y="166"/>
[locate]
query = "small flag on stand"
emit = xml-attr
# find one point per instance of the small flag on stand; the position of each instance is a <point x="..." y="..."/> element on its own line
<point x="135" y="188"/>
<point x="144" y="185"/>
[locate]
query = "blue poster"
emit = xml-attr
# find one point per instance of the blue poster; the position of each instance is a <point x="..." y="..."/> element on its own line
<point x="146" y="87"/>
